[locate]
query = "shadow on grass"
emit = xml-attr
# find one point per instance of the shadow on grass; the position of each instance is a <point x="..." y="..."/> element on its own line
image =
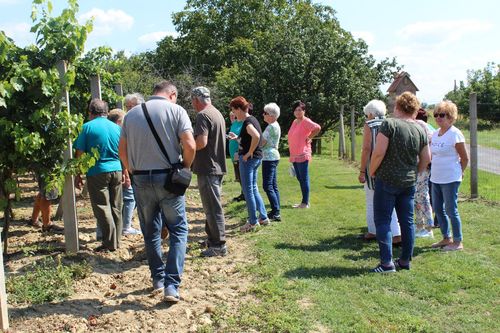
<point x="345" y="242"/>
<point x="324" y="272"/>
<point x="344" y="187"/>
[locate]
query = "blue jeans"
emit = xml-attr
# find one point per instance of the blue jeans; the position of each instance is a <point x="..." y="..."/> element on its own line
<point x="152" y="198"/>
<point x="444" y="202"/>
<point x="270" y="185"/>
<point x="248" y="174"/>
<point x="302" y="173"/>
<point x="386" y="199"/>
<point x="128" y="207"/>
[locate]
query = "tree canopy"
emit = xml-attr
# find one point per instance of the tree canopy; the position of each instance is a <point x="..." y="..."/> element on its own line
<point x="272" y="51"/>
<point x="486" y="84"/>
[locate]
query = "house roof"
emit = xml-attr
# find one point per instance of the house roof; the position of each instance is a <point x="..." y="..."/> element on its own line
<point x="398" y="80"/>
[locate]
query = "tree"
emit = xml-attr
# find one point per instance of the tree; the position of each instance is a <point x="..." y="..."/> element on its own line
<point x="273" y="51"/>
<point x="486" y="84"/>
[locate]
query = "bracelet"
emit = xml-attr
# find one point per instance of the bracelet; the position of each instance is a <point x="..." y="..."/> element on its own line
<point x="361" y="171"/>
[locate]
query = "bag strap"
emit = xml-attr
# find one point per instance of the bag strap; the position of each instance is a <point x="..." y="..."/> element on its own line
<point x="155" y="134"/>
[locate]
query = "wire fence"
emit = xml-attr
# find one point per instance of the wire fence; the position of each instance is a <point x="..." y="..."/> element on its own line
<point x="482" y="176"/>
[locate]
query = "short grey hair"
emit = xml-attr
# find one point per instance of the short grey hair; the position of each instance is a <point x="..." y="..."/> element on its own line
<point x="375" y="108"/>
<point x="164" y="86"/>
<point x="135" y="98"/>
<point x="272" y="109"/>
<point x="98" y="107"/>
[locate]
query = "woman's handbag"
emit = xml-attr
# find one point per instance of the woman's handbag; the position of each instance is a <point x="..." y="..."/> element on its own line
<point x="178" y="177"/>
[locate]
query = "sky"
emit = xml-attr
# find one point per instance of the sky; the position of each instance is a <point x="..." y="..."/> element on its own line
<point x="436" y="41"/>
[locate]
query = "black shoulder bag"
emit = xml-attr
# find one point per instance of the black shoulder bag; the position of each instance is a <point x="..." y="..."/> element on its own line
<point x="178" y="178"/>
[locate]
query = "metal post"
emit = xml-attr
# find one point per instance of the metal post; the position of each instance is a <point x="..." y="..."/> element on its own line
<point x="341" y="133"/>
<point x="353" y="135"/>
<point x="68" y="197"/>
<point x="95" y="86"/>
<point x="119" y="92"/>
<point x="473" y="146"/>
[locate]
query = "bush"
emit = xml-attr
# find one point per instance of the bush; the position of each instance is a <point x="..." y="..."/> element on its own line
<point x="45" y="281"/>
<point x="482" y="124"/>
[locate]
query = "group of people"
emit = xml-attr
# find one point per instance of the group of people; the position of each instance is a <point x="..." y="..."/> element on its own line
<point x="137" y="151"/>
<point x="397" y="169"/>
<point x="258" y="147"/>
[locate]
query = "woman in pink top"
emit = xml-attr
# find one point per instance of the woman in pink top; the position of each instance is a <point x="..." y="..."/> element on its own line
<point x="300" y="136"/>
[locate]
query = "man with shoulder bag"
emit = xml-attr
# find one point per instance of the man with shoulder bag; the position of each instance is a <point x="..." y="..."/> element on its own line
<point x="157" y="147"/>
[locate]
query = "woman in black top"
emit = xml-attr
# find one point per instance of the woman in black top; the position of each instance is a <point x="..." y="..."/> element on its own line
<point x="250" y="158"/>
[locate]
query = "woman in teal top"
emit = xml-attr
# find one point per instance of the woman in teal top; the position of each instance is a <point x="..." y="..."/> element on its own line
<point x="233" y="151"/>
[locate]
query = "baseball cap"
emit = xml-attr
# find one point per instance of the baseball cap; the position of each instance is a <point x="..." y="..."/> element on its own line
<point x="201" y="92"/>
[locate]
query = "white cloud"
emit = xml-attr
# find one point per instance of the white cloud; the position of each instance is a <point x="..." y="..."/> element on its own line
<point x="19" y="32"/>
<point x="105" y="21"/>
<point x="156" y="36"/>
<point x="367" y="36"/>
<point x="437" y="53"/>
<point x="437" y="32"/>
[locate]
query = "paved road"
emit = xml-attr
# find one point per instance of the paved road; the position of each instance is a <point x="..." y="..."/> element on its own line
<point x="488" y="159"/>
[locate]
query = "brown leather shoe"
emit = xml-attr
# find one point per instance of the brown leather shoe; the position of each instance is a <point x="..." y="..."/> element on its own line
<point x="396" y="241"/>
<point x="369" y="237"/>
<point x="164" y="232"/>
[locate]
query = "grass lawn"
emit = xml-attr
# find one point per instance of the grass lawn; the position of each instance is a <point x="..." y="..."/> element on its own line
<point x="313" y="272"/>
<point x="485" y="138"/>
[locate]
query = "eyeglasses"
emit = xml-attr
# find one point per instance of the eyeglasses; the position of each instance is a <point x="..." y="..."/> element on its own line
<point x="440" y="115"/>
<point x="265" y="113"/>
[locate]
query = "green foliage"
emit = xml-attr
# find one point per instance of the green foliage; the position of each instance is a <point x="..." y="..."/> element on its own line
<point x="35" y="127"/>
<point x="138" y="73"/>
<point x="99" y="61"/>
<point x="273" y="51"/>
<point x="486" y="84"/>
<point x="45" y="281"/>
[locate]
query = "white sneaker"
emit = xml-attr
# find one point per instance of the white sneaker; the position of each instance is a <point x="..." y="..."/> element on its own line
<point x="301" y="205"/>
<point x="131" y="231"/>
<point x="424" y="234"/>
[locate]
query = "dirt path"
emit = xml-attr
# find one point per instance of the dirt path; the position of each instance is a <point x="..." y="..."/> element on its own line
<point x="488" y="159"/>
<point x="116" y="297"/>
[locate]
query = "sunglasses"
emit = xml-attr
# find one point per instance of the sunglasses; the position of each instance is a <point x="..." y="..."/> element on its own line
<point x="440" y="115"/>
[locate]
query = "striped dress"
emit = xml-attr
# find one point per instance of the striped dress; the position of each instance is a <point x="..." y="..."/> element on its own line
<point x="374" y="126"/>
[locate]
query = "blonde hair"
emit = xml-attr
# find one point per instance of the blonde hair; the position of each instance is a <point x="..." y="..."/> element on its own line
<point x="116" y="115"/>
<point x="407" y="103"/>
<point x="449" y="108"/>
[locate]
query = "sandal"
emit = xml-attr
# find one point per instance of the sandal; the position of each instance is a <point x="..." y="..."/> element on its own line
<point x="442" y="243"/>
<point x="53" y="228"/>
<point x="35" y="224"/>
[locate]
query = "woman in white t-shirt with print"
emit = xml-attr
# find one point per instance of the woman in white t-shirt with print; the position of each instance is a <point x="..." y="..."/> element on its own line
<point x="449" y="160"/>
